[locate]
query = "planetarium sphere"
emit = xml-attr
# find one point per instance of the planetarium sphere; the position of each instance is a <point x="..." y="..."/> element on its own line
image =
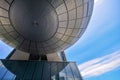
<point x="43" y="26"/>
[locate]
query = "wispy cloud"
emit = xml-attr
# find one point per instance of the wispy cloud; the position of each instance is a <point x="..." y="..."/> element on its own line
<point x="95" y="1"/>
<point x="100" y="65"/>
<point x="98" y="2"/>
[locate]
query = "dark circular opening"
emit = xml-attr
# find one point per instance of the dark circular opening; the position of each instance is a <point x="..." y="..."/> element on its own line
<point x="35" y="20"/>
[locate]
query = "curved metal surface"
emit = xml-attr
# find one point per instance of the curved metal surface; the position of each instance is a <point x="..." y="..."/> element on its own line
<point x="35" y="20"/>
<point x="43" y="26"/>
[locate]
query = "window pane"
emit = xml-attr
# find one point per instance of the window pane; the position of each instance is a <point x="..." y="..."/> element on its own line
<point x="29" y="71"/>
<point x="8" y="76"/>
<point x="38" y="71"/>
<point x="46" y="71"/>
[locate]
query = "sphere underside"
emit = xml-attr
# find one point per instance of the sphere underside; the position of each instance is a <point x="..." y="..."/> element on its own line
<point x="35" y="20"/>
<point x="43" y="26"/>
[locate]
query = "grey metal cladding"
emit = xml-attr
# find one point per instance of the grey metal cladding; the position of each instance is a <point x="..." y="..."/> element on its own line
<point x="43" y="26"/>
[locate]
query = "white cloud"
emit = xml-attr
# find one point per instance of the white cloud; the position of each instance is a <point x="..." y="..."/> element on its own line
<point x="98" y="2"/>
<point x="95" y="1"/>
<point x="100" y="65"/>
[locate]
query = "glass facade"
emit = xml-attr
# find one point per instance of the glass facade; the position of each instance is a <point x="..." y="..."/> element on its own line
<point x="38" y="70"/>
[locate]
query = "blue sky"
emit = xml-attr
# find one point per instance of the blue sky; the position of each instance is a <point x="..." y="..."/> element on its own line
<point x="4" y="50"/>
<point x="97" y="52"/>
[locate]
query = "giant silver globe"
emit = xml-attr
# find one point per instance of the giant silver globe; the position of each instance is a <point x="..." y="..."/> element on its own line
<point x="43" y="26"/>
